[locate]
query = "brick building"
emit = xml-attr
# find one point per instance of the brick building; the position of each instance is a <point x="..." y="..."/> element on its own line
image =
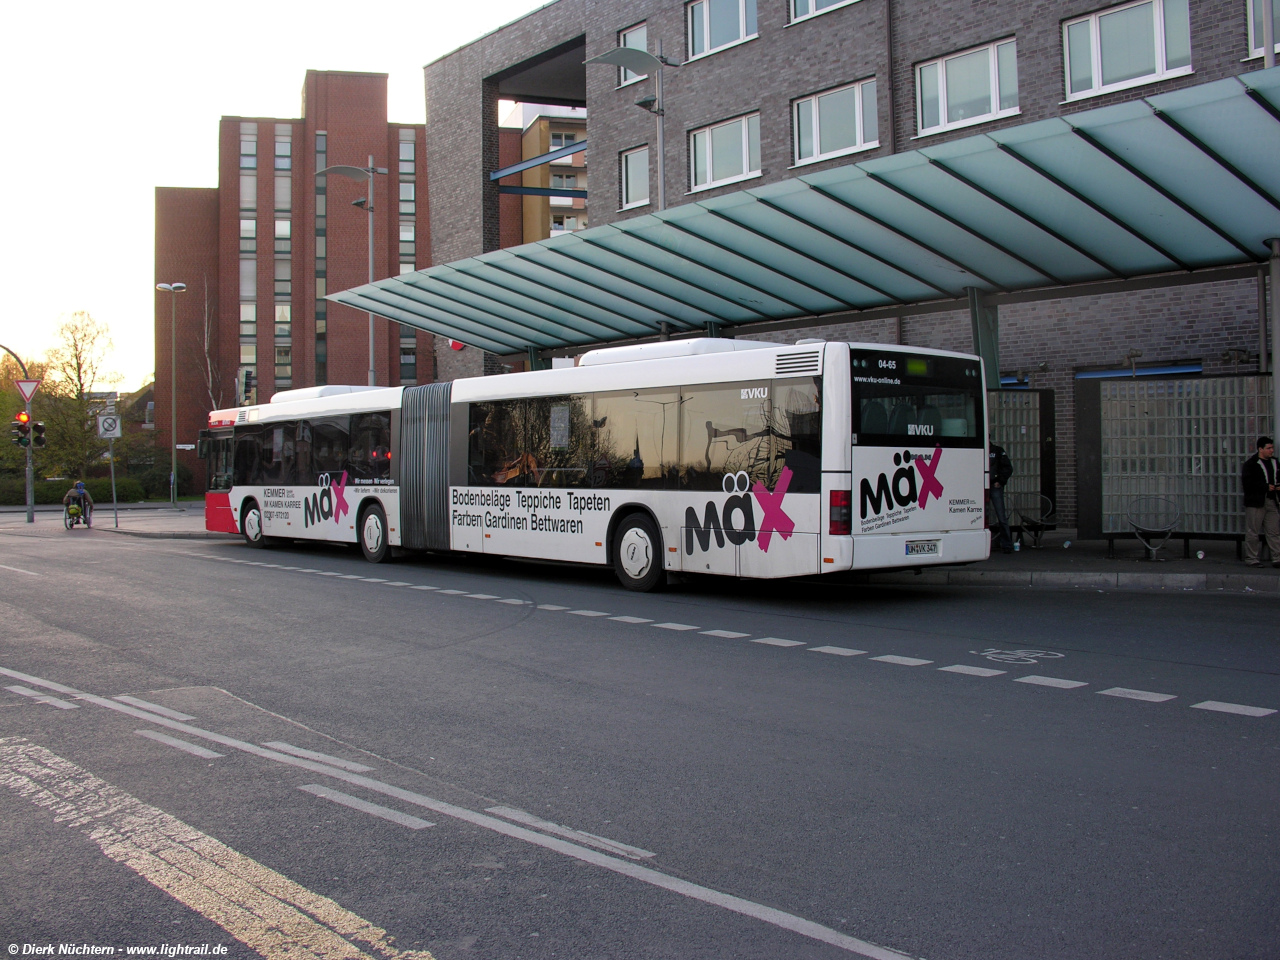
<point x="809" y="85"/>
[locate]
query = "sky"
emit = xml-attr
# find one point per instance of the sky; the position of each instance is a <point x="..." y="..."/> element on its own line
<point x="106" y="102"/>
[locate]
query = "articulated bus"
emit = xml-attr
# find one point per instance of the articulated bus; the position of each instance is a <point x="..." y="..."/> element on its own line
<point x="709" y="456"/>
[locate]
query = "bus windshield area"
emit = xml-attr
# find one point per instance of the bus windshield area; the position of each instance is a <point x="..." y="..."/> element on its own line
<point x="899" y="398"/>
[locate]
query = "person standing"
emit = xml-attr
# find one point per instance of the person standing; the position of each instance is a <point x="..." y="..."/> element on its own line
<point x="1259" y="480"/>
<point x="1001" y="469"/>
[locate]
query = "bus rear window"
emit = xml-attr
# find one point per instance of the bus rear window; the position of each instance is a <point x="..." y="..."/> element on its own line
<point x="898" y="397"/>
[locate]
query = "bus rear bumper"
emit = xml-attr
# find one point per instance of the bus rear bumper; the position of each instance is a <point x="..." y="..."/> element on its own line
<point x="887" y="551"/>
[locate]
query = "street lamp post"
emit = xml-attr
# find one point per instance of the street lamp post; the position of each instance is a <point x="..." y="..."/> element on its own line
<point x="173" y="289"/>
<point x="363" y="173"/>
<point x="642" y="61"/>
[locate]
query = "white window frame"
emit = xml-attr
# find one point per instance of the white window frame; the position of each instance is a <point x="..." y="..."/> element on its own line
<point x="1255" y="40"/>
<point x="996" y="113"/>
<point x="622" y="174"/>
<point x="802" y="17"/>
<point x="1095" y="52"/>
<point x="749" y="174"/>
<point x="625" y="76"/>
<point x="705" y="13"/>
<point x="811" y="103"/>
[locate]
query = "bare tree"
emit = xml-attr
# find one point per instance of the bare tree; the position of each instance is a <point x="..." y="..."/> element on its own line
<point x="212" y="379"/>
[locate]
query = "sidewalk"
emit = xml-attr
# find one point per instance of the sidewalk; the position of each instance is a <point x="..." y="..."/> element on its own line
<point x="1061" y="563"/>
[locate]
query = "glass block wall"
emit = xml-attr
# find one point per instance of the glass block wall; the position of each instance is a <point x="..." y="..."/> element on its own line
<point x="1015" y="424"/>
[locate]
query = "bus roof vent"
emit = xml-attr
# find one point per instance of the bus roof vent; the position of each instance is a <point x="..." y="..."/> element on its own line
<point x="242" y="415"/>
<point x="801" y="361"/>
<point x="666" y="349"/>
<point x="318" y="393"/>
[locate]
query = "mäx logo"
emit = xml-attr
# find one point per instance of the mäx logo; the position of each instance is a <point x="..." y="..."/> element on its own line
<point x="915" y="481"/>
<point x="736" y="520"/>
<point x="329" y="504"/>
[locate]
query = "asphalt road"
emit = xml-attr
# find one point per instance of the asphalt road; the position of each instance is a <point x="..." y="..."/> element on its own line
<point x="503" y="760"/>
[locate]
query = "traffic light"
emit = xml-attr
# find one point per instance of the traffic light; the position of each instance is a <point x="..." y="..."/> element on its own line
<point x="21" y="428"/>
<point x="249" y="383"/>
<point x="37" y="434"/>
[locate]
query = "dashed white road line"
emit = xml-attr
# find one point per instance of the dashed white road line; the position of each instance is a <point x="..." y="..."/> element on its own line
<point x="969" y="671"/>
<point x="364" y="806"/>
<point x="675" y="626"/>
<point x="725" y="634"/>
<point x="902" y="661"/>
<point x="551" y="606"/>
<point x="16" y="570"/>
<point x="1051" y="682"/>
<point x="42" y="697"/>
<point x="1236" y="708"/>
<point x="314" y="755"/>
<point x="838" y="651"/>
<point x="632" y="619"/>
<point x="423" y="586"/>
<point x="453" y="593"/>
<point x="778" y="642"/>
<point x="1128" y="694"/>
<point x="546" y="826"/>
<point x="478" y="596"/>
<point x="154" y="708"/>
<point x="191" y="748"/>
<point x="587" y="613"/>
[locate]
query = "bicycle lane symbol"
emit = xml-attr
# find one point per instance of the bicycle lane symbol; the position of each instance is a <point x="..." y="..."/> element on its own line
<point x="1017" y="656"/>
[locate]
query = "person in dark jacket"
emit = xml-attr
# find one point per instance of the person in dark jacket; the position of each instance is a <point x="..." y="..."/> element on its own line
<point x="1259" y="480"/>
<point x="1001" y="469"/>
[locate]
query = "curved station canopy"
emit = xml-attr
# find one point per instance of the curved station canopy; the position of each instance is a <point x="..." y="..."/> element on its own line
<point x="1167" y="185"/>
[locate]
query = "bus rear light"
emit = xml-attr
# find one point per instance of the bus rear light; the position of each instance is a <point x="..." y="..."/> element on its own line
<point x="841" y="513"/>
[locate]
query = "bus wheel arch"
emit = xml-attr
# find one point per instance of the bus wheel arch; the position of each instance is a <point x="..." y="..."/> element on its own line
<point x="251" y="523"/>
<point x="372" y="531"/>
<point x="636" y="550"/>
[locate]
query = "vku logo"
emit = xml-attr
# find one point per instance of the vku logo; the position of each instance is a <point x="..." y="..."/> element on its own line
<point x="915" y="481"/>
<point x="755" y="393"/>
<point x="330" y="503"/>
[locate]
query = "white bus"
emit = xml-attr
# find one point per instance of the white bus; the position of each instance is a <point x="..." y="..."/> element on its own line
<point x="715" y="456"/>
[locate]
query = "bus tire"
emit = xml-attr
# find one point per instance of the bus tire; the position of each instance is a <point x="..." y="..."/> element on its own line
<point x="637" y="554"/>
<point x="373" y="534"/>
<point x="251" y="524"/>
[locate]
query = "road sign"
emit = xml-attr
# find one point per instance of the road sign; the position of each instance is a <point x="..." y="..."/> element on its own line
<point x="27" y="388"/>
<point x="109" y="427"/>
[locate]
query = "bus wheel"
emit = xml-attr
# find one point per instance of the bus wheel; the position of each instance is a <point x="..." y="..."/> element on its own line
<point x="637" y="554"/>
<point x="251" y="524"/>
<point x="373" y="535"/>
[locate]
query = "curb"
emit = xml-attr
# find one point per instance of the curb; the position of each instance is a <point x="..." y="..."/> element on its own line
<point x="171" y="535"/>
<point x="1222" y="582"/>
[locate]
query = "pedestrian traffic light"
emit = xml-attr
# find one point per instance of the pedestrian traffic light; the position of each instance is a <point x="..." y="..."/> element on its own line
<point x="37" y="434"/>
<point x="21" y="428"/>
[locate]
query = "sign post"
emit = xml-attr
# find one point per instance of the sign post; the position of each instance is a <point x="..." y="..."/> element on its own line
<point x="109" y="430"/>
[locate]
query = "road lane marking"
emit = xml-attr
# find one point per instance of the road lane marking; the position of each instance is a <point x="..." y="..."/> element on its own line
<point x="725" y="634"/>
<point x="838" y="651"/>
<point x="314" y="755"/>
<point x="478" y="596"/>
<point x="264" y="910"/>
<point x="397" y="583"/>
<point x="902" y="661"/>
<point x="1236" y="708"/>
<point x="591" y="839"/>
<point x="423" y="587"/>
<point x="587" y="613"/>
<point x="969" y="671"/>
<point x="458" y="593"/>
<point x="16" y="570"/>
<point x="778" y="642"/>
<point x="373" y="579"/>
<point x="1050" y="682"/>
<point x="42" y="697"/>
<point x="674" y="626"/>
<point x="693" y="891"/>
<point x="1128" y="694"/>
<point x="551" y="606"/>
<point x="155" y="708"/>
<point x="632" y="619"/>
<point x="364" y="806"/>
<point x="516" y="603"/>
<point x="191" y="748"/>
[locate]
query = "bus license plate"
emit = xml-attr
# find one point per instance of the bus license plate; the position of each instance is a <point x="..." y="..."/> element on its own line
<point x="922" y="548"/>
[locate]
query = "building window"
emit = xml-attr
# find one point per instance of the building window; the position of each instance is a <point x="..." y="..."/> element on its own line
<point x="836" y="122"/>
<point x="283" y="278"/>
<point x="637" y="38"/>
<point x="284" y="364"/>
<point x="408" y="361"/>
<point x="284" y="243"/>
<point x="249" y="320"/>
<point x="284" y="317"/>
<point x="800" y="9"/>
<point x="406" y="156"/>
<point x="559" y="140"/>
<point x="248" y="236"/>
<point x="1255" y="25"/>
<point x="635" y="178"/>
<point x="283" y="193"/>
<point x="284" y="153"/>
<point x="248" y="354"/>
<point x="562" y="223"/>
<point x="248" y="153"/>
<point x="406" y="199"/>
<point x="248" y="278"/>
<point x="248" y="191"/>
<point x="725" y="152"/>
<point x="968" y="88"/>
<point x="1126" y="47"/>
<point x="714" y="24"/>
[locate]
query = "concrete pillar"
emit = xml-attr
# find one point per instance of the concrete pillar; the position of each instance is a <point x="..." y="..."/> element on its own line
<point x="1275" y="326"/>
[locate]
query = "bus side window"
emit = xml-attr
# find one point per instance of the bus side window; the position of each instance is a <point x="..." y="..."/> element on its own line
<point x="557" y="441"/>
<point x="369" y="456"/>
<point x="725" y="431"/>
<point x="329" y="447"/>
<point x="635" y="439"/>
<point x="797" y="433"/>
<point x="219" y="464"/>
<point x="248" y="457"/>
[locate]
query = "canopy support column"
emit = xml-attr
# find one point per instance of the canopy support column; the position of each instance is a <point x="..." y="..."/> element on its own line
<point x="535" y="361"/>
<point x="985" y="319"/>
<point x="1262" y="320"/>
<point x="1275" y="325"/>
<point x="713" y="329"/>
